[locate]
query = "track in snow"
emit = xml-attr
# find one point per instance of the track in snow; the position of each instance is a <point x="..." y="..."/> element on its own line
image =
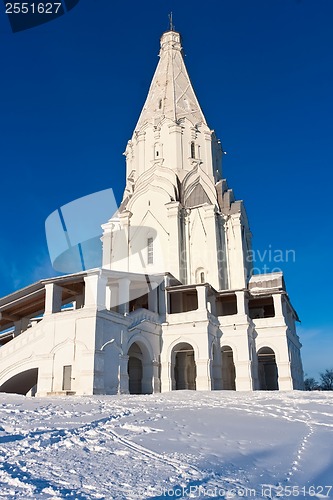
<point x="151" y="446"/>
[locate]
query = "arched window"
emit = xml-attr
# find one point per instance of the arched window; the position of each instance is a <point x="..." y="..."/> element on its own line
<point x="200" y="275"/>
<point x="157" y="150"/>
<point x="192" y="149"/>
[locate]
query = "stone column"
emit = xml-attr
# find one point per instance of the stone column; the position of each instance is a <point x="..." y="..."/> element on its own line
<point x="277" y="298"/>
<point x="53" y="298"/>
<point x="108" y="298"/>
<point x="20" y="326"/>
<point x="202" y="297"/>
<point x="152" y="299"/>
<point x="95" y="291"/>
<point x="242" y="309"/>
<point x="124" y="295"/>
<point x="112" y="297"/>
<point x="78" y="303"/>
<point x="162" y="299"/>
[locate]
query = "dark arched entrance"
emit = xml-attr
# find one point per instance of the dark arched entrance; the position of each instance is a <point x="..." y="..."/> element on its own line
<point x="185" y="373"/>
<point x="135" y="369"/>
<point x="267" y="368"/>
<point x="228" y="369"/>
<point x="21" y="383"/>
<point x="140" y="369"/>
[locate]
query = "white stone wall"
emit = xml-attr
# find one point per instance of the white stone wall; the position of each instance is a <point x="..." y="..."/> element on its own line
<point x="60" y="339"/>
<point x="174" y="196"/>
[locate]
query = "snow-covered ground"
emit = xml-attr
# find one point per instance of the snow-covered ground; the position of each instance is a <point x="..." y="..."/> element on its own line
<point x="182" y="444"/>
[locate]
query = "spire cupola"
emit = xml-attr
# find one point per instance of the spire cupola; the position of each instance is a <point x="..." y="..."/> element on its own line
<point x="171" y="95"/>
<point x="172" y="132"/>
<point x="171" y="40"/>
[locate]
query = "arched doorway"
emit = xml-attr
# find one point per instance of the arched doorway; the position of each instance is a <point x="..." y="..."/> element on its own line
<point x="228" y="369"/>
<point x="183" y="367"/>
<point x="21" y="383"/>
<point x="267" y="370"/>
<point x="140" y="370"/>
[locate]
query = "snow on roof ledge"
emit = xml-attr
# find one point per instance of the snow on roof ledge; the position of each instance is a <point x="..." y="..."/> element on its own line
<point x="260" y="283"/>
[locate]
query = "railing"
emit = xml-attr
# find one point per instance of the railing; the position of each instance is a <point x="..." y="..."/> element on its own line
<point x="140" y="315"/>
<point x="21" y="341"/>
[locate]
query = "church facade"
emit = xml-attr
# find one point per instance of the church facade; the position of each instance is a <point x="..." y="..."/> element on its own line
<point x="175" y="304"/>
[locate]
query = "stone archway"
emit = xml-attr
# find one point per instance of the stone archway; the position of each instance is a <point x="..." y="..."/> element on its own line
<point x="228" y="369"/>
<point x="21" y="383"/>
<point x="140" y="369"/>
<point x="183" y="367"/>
<point x="267" y="370"/>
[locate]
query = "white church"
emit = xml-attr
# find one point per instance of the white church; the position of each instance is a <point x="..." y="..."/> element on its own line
<point x="175" y="304"/>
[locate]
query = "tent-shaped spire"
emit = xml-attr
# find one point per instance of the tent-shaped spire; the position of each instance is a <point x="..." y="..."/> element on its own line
<point x="171" y="94"/>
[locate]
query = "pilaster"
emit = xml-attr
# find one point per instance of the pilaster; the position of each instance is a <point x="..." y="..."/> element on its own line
<point x="202" y="297"/>
<point x="166" y="378"/>
<point x="243" y="375"/>
<point x="175" y="150"/>
<point x="174" y="255"/>
<point x="20" y="326"/>
<point x="284" y="376"/>
<point x="123" y="374"/>
<point x="277" y="299"/>
<point x="124" y="295"/>
<point x="203" y="380"/>
<point x="106" y="245"/>
<point x="156" y="377"/>
<point x="152" y="299"/>
<point x="95" y="291"/>
<point x="141" y="141"/>
<point x="53" y="298"/>
<point x="242" y="304"/>
<point x="235" y="252"/>
<point x="208" y="152"/>
<point x="211" y="247"/>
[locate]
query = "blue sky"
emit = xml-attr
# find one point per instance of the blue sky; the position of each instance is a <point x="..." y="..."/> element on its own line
<point x="72" y="91"/>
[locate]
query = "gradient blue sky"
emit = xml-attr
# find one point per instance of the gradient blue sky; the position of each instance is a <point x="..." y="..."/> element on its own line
<point x="72" y="91"/>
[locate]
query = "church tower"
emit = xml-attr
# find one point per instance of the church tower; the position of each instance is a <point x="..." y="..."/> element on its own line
<point x="175" y="305"/>
<point x="177" y="214"/>
<point x="178" y="218"/>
